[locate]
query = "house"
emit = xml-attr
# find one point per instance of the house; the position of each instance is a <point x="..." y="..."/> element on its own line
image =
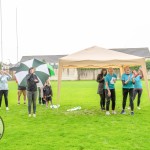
<point x="82" y="74"/>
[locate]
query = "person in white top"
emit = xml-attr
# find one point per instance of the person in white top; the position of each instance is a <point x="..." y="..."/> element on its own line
<point x="4" y="77"/>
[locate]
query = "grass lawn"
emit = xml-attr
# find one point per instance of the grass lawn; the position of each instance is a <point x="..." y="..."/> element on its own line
<point x="85" y="129"/>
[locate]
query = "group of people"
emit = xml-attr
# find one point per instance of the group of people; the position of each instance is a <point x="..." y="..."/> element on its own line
<point x="131" y="83"/>
<point x="30" y="91"/>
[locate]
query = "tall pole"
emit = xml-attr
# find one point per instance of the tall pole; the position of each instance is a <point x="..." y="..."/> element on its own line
<point x="1" y="33"/>
<point x="17" y="33"/>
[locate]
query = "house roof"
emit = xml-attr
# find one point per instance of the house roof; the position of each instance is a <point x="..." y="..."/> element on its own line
<point x="142" y="52"/>
<point x="46" y="58"/>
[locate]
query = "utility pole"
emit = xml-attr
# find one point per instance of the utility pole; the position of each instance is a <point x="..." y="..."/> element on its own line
<point x="1" y="34"/>
<point x="17" y="33"/>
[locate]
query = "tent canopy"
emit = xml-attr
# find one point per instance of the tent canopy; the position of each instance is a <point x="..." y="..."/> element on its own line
<point x="97" y="57"/>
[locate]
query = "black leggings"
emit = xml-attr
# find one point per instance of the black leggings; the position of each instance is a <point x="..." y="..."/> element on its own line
<point x="5" y="93"/>
<point x="112" y="98"/>
<point x="139" y="92"/>
<point x="125" y="94"/>
<point x="102" y="99"/>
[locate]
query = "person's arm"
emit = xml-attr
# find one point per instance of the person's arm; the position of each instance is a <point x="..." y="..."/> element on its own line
<point x="107" y="87"/>
<point x="133" y="79"/>
<point x="125" y="82"/>
<point x="141" y="76"/>
<point x="100" y="78"/>
<point x="36" y="80"/>
<point x="28" y="76"/>
<point x="9" y="77"/>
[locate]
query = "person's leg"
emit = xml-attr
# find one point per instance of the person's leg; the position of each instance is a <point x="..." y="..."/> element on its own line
<point x="6" y="97"/>
<point x="113" y="98"/>
<point x="29" y="96"/>
<point x="107" y="100"/>
<point x="34" y="97"/>
<point x="39" y="92"/>
<point x="139" y="97"/>
<point x="135" y="91"/>
<point x="131" y="99"/>
<point x="1" y="94"/>
<point x="24" y="96"/>
<point x="101" y="99"/>
<point x="19" y="95"/>
<point x="125" y="94"/>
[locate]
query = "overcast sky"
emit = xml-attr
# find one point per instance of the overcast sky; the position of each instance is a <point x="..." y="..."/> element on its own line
<point x="47" y="27"/>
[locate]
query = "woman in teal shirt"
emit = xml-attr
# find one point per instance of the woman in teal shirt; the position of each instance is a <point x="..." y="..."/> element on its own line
<point x="110" y="94"/>
<point x="138" y="86"/>
<point x="128" y="86"/>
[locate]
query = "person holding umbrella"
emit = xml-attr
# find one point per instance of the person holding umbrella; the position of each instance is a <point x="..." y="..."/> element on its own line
<point x="32" y="80"/>
<point x="4" y="77"/>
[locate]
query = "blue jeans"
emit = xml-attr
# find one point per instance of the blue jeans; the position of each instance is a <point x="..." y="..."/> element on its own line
<point x="32" y="96"/>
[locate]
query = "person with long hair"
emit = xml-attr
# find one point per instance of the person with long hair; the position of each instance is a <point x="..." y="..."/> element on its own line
<point x="101" y="91"/>
<point x="32" y="80"/>
<point x="138" y="86"/>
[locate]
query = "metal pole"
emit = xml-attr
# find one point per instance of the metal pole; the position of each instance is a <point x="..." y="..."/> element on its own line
<point x="17" y="33"/>
<point x="1" y="33"/>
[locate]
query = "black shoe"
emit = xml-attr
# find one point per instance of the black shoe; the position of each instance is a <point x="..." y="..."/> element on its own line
<point x="132" y="113"/>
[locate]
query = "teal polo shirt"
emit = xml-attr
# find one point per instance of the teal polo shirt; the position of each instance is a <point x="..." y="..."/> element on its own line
<point x="109" y="79"/>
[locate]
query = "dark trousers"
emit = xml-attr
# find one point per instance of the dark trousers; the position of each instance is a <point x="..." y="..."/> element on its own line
<point x="102" y="100"/>
<point x="139" y="92"/>
<point x="32" y="96"/>
<point x="5" y="93"/>
<point x="112" y="98"/>
<point x="125" y="95"/>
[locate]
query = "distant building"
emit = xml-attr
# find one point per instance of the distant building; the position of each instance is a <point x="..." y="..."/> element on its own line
<point x="82" y="74"/>
<point x="141" y="52"/>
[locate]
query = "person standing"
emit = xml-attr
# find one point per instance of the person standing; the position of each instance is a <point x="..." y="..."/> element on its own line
<point x="128" y="87"/>
<point x="110" y="94"/>
<point x="21" y="90"/>
<point x="101" y="91"/>
<point x="32" y="80"/>
<point x="48" y="93"/>
<point x="4" y="77"/>
<point x="138" y="86"/>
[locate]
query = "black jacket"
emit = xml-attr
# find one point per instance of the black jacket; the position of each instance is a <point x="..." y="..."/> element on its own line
<point x="101" y="82"/>
<point x="31" y="84"/>
<point x="47" y="91"/>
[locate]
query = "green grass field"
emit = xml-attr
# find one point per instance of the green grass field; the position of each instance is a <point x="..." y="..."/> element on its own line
<point x="85" y="129"/>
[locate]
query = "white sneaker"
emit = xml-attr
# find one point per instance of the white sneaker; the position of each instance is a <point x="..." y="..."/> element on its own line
<point x="114" y="112"/>
<point x="34" y="115"/>
<point x="7" y="108"/>
<point x="107" y="113"/>
<point x="138" y="108"/>
<point x="29" y="115"/>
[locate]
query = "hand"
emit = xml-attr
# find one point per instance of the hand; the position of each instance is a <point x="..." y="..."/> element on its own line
<point x="114" y="80"/>
<point x="109" y="93"/>
<point x="35" y="80"/>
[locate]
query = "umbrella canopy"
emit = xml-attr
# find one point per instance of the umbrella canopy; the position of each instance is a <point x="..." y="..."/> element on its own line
<point x="41" y="70"/>
<point x="51" y="70"/>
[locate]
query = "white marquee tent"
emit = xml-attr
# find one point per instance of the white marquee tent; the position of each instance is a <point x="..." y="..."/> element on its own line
<point x="97" y="57"/>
